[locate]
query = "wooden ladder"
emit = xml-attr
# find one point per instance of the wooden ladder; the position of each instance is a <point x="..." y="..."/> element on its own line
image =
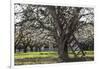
<point x="76" y="48"/>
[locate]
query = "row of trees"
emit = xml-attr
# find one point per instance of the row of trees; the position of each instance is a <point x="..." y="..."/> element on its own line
<point x="57" y="26"/>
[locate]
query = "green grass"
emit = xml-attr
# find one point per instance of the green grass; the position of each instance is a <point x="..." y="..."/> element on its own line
<point x="21" y="55"/>
<point x="87" y="54"/>
<point x="42" y="57"/>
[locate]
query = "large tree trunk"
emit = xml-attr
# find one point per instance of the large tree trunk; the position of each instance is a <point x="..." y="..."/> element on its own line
<point x="62" y="37"/>
<point x="62" y="52"/>
<point x="59" y="35"/>
<point x="63" y="49"/>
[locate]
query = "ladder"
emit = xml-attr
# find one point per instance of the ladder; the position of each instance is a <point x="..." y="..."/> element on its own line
<point x="75" y="47"/>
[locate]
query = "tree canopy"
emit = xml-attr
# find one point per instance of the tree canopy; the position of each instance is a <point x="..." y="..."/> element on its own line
<point x="43" y="25"/>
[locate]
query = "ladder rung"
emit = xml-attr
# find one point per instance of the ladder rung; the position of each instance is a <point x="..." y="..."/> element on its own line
<point x="78" y="53"/>
<point x="74" y="44"/>
<point x="76" y="48"/>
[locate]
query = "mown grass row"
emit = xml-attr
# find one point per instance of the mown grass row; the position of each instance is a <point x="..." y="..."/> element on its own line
<point x="36" y="55"/>
<point x="21" y="55"/>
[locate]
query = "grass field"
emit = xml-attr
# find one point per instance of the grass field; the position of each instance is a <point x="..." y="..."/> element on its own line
<point x="42" y="57"/>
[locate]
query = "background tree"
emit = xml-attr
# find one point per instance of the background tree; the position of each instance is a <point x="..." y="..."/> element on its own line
<point x="55" y="22"/>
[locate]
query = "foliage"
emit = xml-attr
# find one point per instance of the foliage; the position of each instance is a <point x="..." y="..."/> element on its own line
<point x="52" y="26"/>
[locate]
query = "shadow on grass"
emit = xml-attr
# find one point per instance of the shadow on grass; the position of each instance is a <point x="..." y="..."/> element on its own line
<point x="29" y="61"/>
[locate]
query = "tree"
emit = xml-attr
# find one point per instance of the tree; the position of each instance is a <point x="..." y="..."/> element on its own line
<point x="60" y="23"/>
